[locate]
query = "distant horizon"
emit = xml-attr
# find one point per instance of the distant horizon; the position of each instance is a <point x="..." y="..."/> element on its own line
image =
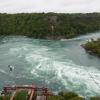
<point x="50" y="12"/>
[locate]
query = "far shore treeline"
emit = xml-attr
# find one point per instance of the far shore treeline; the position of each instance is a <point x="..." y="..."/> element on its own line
<point x="49" y="25"/>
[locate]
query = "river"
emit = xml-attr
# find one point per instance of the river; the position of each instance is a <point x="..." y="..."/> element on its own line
<point x="57" y="64"/>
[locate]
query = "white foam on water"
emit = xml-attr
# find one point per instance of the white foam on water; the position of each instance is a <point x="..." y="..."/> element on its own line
<point x="68" y="75"/>
<point x="84" y="37"/>
<point x="3" y="71"/>
<point x="73" y="77"/>
<point x="17" y="49"/>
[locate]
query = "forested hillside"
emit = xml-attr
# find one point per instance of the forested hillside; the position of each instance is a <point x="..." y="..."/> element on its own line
<point x="49" y="25"/>
<point x="93" y="47"/>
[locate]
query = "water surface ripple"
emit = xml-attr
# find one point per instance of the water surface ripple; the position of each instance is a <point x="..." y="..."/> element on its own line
<point x="59" y="65"/>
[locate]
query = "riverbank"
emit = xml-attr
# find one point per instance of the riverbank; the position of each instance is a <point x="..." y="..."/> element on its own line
<point x="93" y="47"/>
<point x="23" y="95"/>
<point x="49" y="25"/>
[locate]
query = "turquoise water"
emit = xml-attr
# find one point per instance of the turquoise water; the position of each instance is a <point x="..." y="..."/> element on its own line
<point x="59" y="65"/>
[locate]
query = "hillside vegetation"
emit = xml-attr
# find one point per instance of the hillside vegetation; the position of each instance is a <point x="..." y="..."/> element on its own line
<point x="93" y="47"/>
<point x="49" y="25"/>
<point x="22" y="95"/>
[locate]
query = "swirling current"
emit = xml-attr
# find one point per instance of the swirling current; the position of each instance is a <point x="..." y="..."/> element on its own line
<point x="58" y="64"/>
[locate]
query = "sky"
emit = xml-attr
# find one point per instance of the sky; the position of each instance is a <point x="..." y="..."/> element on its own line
<point x="58" y="6"/>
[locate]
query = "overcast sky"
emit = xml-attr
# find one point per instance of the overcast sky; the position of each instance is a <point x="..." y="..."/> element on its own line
<point x="64" y="6"/>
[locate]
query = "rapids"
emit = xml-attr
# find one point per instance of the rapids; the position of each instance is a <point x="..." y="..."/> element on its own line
<point x="57" y="64"/>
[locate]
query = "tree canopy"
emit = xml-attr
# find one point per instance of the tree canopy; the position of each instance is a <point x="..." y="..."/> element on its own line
<point x="49" y="25"/>
<point x="93" y="47"/>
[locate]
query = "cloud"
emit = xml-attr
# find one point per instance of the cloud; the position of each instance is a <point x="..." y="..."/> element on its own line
<point x="65" y="6"/>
